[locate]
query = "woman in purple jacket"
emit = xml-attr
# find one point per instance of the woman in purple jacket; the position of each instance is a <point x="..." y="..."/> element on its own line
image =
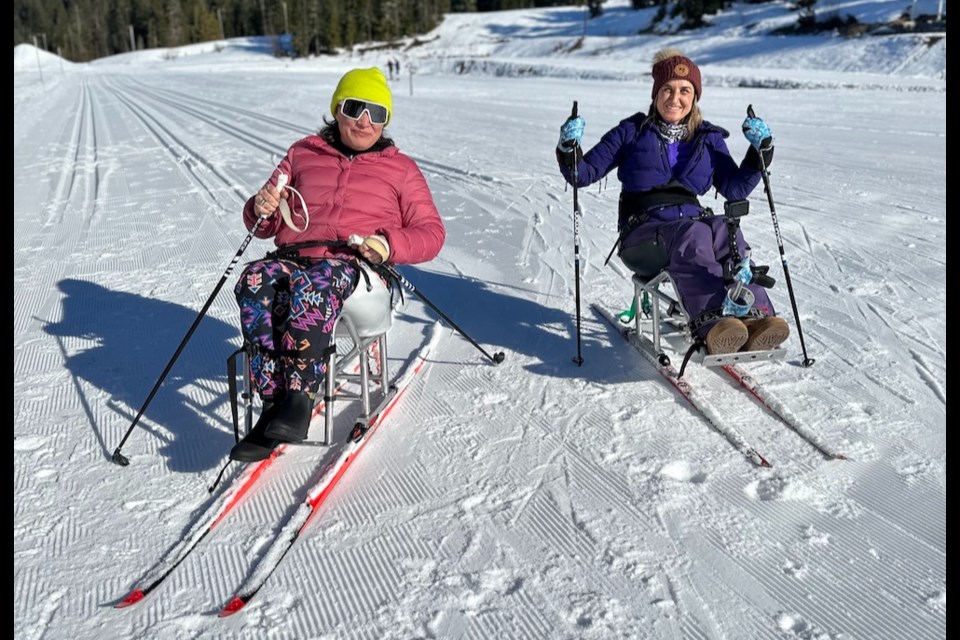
<point x="664" y="160"/>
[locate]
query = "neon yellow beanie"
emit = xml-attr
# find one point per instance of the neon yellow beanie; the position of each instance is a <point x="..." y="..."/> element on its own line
<point x="365" y="84"/>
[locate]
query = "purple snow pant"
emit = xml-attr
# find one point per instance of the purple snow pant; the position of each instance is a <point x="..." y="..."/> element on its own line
<point x="697" y="249"/>
<point x="287" y="313"/>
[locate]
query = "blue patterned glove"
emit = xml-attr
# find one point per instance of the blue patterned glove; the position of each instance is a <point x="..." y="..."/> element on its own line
<point x="571" y="133"/>
<point x="757" y="134"/>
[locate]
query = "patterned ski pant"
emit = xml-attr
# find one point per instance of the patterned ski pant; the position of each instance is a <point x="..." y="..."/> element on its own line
<point x="287" y="313"/>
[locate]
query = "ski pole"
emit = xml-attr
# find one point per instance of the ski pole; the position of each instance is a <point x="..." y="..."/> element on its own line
<point x="578" y="359"/>
<point x="118" y="457"/>
<point x="497" y="358"/>
<point x="807" y="361"/>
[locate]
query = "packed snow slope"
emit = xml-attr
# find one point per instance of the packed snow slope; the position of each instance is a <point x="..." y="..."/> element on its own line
<point x="530" y="499"/>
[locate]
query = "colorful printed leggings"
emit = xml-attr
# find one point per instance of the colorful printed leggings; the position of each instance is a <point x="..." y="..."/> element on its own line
<point x="287" y="313"/>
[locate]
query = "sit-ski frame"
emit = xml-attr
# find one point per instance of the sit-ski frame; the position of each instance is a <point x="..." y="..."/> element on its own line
<point x="356" y="364"/>
<point x="676" y="321"/>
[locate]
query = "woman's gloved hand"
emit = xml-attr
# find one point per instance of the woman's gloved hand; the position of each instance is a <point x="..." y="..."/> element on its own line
<point x="374" y="248"/>
<point x="760" y="153"/>
<point x="571" y="132"/>
<point x="757" y="133"/>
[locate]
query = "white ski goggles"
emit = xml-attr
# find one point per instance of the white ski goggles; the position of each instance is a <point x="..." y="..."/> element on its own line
<point x="353" y="108"/>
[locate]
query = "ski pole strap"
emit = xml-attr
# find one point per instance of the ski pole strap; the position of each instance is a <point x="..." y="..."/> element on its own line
<point x="634" y="221"/>
<point x="232" y="385"/>
<point x="392" y="277"/>
<point x="697" y="345"/>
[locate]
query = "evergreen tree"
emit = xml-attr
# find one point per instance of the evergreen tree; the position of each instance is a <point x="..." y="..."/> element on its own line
<point x="83" y="30"/>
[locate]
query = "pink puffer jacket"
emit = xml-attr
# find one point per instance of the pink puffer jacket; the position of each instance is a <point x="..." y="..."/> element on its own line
<point x="378" y="192"/>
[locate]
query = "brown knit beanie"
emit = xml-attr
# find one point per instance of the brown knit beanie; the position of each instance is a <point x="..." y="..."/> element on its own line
<point x="675" y="68"/>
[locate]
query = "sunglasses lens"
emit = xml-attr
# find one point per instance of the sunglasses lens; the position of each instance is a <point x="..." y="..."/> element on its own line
<point x="378" y="114"/>
<point x="353" y="109"/>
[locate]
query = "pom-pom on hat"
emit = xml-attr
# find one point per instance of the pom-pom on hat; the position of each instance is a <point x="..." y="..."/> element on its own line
<point x="676" y="67"/>
<point x="364" y="84"/>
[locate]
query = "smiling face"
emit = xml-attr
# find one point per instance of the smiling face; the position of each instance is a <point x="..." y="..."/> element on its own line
<point x="674" y="100"/>
<point x="359" y="134"/>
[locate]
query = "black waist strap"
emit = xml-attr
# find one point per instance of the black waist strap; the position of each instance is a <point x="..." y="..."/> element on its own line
<point x="632" y="202"/>
<point x="635" y="205"/>
<point x="292" y="251"/>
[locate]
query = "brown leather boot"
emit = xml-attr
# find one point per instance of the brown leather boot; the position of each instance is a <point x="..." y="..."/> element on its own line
<point x="765" y="333"/>
<point x="727" y="336"/>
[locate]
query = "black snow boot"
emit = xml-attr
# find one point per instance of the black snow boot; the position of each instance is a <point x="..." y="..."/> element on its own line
<point x="293" y="419"/>
<point x="256" y="445"/>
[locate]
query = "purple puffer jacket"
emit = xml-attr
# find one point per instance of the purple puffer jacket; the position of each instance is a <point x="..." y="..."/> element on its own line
<point x="640" y="155"/>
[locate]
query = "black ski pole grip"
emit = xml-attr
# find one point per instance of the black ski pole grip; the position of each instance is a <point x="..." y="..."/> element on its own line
<point x="750" y="113"/>
<point x="573" y="114"/>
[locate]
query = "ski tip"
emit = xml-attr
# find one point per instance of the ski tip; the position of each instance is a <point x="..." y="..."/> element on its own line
<point x="760" y="460"/>
<point x="134" y="597"/>
<point x="233" y="606"/>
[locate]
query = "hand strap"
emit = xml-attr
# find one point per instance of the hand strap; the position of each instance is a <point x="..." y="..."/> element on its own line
<point x="288" y="218"/>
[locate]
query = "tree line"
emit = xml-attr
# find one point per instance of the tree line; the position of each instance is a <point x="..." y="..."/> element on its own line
<point x="84" y="30"/>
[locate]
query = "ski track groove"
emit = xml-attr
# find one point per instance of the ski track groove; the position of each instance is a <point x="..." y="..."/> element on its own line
<point x="532" y="623"/>
<point x="553" y="565"/>
<point x="372" y="498"/>
<point x="257" y="117"/>
<point x="339" y="576"/>
<point x="898" y="508"/>
<point x="705" y="565"/>
<point x="603" y="484"/>
<point x="493" y="624"/>
<point x="819" y="590"/>
<point x="218" y="569"/>
<point x="543" y="518"/>
<point x="185" y="159"/>
<point x="68" y="177"/>
<point x="57" y="230"/>
<point x="179" y="104"/>
<point x="925" y="371"/>
<point x="359" y="598"/>
<point x="93" y="177"/>
<point x="831" y="557"/>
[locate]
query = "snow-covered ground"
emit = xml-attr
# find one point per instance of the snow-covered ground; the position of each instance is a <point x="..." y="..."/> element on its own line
<point x="530" y="499"/>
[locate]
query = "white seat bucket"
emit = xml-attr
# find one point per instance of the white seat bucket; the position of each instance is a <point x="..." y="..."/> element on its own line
<point x="369" y="308"/>
<point x="361" y="328"/>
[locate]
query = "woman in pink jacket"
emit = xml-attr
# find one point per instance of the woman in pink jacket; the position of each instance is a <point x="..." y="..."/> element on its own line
<point x="343" y="194"/>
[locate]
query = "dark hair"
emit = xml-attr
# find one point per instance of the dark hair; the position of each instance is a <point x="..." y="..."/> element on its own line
<point x="331" y="133"/>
